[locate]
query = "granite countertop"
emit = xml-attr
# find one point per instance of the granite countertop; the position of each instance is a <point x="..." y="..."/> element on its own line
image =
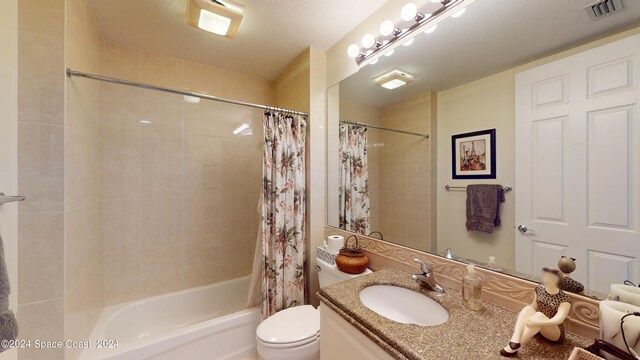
<point x="467" y="334"/>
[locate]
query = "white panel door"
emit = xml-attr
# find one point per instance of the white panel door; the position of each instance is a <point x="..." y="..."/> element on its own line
<point x="578" y="165"/>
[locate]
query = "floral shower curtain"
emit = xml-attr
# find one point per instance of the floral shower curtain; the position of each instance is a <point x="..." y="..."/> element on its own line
<point x="279" y="260"/>
<point x="353" y="198"/>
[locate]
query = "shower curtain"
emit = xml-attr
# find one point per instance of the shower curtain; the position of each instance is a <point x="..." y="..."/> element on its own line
<point x="353" y="197"/>
<point x="278" y="273"/>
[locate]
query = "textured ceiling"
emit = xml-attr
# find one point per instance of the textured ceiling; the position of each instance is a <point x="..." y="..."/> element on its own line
<point x="272" y="32"/>
<point x="492" y="36"/>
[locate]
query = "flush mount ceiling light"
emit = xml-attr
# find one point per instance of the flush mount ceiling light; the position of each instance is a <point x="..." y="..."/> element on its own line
<point x="221" y="17"/>
<point x="394" y="79"/>
<point x="414" y="22"/>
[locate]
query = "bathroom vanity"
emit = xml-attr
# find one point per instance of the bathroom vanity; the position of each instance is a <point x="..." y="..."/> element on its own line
<point x="353" y="331"/>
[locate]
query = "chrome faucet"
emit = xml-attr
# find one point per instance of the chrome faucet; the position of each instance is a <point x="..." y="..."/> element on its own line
<point x="427" y="279"/>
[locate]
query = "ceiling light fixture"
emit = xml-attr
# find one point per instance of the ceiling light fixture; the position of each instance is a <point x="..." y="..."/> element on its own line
<point x="392" y="36"/>
<point x="394" y="79"/>
<point x="220" y="17"/>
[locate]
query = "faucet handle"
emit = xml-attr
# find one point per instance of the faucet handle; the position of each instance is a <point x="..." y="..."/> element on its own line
<point x="424" y="266"/>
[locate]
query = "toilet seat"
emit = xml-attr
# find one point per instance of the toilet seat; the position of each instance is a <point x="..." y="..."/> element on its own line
<point x="290" y="328"/>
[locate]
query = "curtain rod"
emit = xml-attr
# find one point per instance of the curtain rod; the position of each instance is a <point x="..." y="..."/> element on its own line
<point x="426" y="136"/>
<point x="71" y="73"/>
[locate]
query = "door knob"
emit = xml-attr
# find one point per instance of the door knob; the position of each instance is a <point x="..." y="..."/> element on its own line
<point x="523" y="229"/>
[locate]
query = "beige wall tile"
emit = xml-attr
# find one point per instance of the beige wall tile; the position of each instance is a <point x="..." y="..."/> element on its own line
<point x="40" y="90"/>
<point x="162" y="70"/>
<point x="121" y="226"/>
<point x="40" y="257"/>
<point x="202" y="78"/>
<point x="263" y="92"/>
<point x="75" y="244"/>
<point x="41" y="164"/>
<point x="77" y="186"/>
<point x="121" y="62"/>
<point x="202" y="219"/>
<point x="76" y="29"/>
<point x="158" y="278"/>
<point x="121" y="143"/>
<point x="170" y="207"/>
<point x="162" y="143"/>
<point x="42" y="17"/>
<point x="43" y="321"/>
<point x="162" y="222"/>
<point x="121" y="277"/>
<point x="236" y="86"/>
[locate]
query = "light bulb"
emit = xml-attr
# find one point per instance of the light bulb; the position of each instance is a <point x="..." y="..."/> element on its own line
<point x="353" y="51"/>
<point x="374" y="61"/>
<point x="435" y="1"/>
<point x="431" y="29"/>
<point x="409" y="12"/>
<point x="459" y="13"/>
<point x="368" y="40"/>
<point x="409" y="42"/>
<point x="387" y="27"/>
<point x="390" y="52"/>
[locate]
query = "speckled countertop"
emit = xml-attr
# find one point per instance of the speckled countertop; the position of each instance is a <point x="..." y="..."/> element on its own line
<point x="466" y="335"/>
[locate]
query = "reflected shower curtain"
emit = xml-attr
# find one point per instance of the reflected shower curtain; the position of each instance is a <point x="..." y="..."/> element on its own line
<point x="278" y="272"/>
<point x="353" y="197"/>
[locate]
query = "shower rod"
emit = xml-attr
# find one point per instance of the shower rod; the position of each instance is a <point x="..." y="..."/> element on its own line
<point x="71" y="73"/>
<point x="426" y="136"/>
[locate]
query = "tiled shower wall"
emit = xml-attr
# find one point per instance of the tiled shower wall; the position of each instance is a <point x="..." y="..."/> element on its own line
<point x="83" y="176"/>
<point x="41" y="175"/>
<point x="180" y="189"/>
<point x="407" y="172"/>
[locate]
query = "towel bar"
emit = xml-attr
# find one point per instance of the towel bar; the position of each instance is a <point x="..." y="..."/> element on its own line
<point x="506" y="188"/>
<point x="6" y="199"/>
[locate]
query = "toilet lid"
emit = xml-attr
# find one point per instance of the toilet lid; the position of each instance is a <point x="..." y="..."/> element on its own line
<point x="290" y="326"/>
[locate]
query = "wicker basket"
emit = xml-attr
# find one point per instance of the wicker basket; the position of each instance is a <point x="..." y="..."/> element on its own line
<point x="582" y="354"/>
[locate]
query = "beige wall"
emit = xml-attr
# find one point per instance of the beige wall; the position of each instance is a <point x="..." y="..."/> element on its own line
<point x="41" y="175"/>
<point x="302" y="87"/>
<point x="9" y="147"/>
<point x="180" y="189"/>
<point x="407" y="172"/>
<point x="484" y="104"/>
<point x="83" y="176"/>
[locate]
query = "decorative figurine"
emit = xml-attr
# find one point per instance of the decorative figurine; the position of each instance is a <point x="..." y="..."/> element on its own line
<point x="567" y="266"/>
<point x="545" y="315"/>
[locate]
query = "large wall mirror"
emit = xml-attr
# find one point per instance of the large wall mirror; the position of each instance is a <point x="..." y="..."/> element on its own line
<point x="408" y="135"/>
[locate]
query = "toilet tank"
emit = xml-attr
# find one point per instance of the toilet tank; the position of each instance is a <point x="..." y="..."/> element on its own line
<point x="328" y="274"/>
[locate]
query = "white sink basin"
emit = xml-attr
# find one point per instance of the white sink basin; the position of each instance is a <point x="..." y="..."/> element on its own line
<point x="403" y="305"/>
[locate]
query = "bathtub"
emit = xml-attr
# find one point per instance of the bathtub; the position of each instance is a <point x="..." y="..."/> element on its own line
<point x="208" y="322"/>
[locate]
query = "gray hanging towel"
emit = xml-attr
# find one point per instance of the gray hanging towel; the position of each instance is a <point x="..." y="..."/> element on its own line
<point x="8" y="323"/>
<point x="483" y="207"/>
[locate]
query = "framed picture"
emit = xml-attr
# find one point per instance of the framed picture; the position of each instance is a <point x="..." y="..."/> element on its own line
<point x="474" y="155"/>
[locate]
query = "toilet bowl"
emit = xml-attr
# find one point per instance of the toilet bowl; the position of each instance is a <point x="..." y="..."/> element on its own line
<point x="294" y="333"/>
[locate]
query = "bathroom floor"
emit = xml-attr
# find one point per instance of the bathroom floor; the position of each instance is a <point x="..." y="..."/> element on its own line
<point x="252" y="357"/>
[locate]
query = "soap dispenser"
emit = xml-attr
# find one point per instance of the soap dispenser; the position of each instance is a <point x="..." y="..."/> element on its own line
<point x="472" y="289"/>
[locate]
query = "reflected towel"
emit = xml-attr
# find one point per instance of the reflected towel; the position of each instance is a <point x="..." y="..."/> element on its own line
<point x="8" y="323"/>
<point x="483" y="207"/>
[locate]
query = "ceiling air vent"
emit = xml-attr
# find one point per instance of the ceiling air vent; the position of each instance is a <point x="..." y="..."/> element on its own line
<point x="603" y="8"/>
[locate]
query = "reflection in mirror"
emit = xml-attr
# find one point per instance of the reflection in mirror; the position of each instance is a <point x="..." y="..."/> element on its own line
<point x="392" y="123"/>
<point x="382" y="160"/>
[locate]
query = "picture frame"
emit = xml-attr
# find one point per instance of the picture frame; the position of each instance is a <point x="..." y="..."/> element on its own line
<point x="473" y="155"/>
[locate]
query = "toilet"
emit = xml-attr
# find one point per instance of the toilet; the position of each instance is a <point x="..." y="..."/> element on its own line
<point x="294" y="333"/>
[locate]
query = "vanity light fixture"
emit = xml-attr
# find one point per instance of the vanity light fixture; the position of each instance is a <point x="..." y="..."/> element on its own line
<point x="220" y="17"/>
<point x="414" y="23"/>
<point x="394" y="79"/>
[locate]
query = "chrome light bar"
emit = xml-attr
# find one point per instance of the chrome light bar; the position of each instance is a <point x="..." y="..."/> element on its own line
<point x="416" y="21"/>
